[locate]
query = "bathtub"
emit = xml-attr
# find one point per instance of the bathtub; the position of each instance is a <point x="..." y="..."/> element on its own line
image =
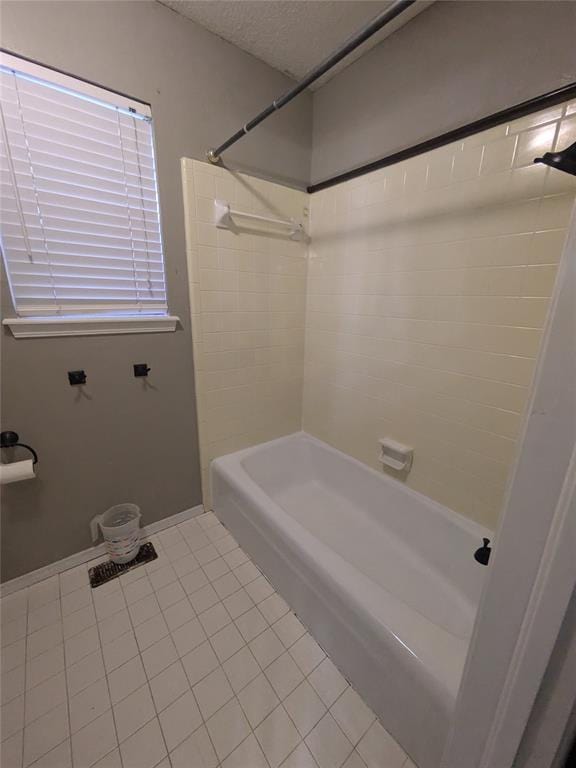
<point x="383" y="577"/>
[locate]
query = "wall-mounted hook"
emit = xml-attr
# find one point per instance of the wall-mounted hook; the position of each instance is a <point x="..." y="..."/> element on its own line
<point x="76" y="377"/>
<point x="141" y="369"/>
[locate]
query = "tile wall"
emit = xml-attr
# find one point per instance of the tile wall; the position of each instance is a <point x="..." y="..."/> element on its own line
<point x="428" y="287"/>
<point x="248" y="293"/>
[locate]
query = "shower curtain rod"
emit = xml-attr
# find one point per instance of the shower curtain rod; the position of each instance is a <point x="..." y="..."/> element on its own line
<point x="550" y="99"/>
<point x="398" y="7"/>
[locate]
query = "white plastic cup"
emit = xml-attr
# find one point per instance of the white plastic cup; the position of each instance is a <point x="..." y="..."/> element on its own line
<point x="120" y="526"/>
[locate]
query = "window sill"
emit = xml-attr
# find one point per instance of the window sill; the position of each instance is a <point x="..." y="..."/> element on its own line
<point x="38" y="327"/>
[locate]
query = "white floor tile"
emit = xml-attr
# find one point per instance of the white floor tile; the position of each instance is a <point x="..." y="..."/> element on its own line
<point x="170" y="595"/>
<point x="226" y="585"/>
<point x="44" y="697"/>
<point x="84" y="673"/>
<point x="247" y="573"/>
<point x="289" y="629"/>
<point x="228" y="728"/>
<point x="377" y="747"/>
<point x="277" y="736"/>
<point x="216" y="569"/>
<point x="305" y="708"/>
<point x="300" y="758"/>
<point x="114" y="626"/>
<point x="81" y="645"/>
<point x="43" y="592"/>
<point x="199" y="663"/>
<point x="179" y="720"/>
<point x="159" y="656"/>
<point x="13" y="655"/>
<point x="145" y="748"/>
<point x="327" y="681"/>
<point x="185" y="565"/>
<point x="78" y="621"/>
<point x="194" y="581"/>
<point x="11" y="751"/>
<point x="226" y="544"/>
<point x="149" y="632"/>
<point x="89" y="704"/>
<point x="13" y="630"/>
<point x="241" y="668"/>
<point x="12" y="717"/>
<point x="45" y="733"/>
<point x="195" y="752"/>
<point x="197" y="542"/>
<point x="352" y="715"/>
<point x="328" y="744"/>
<point x="226" y="642"/>
<point x="14" y="606"/>
<point x="188" y="636"/>
<point x="284" y="674"/>
<point x="44" y="616"/>
<point x="133" y="712"/>
<point x="238" y="603"/>
<point x="354" y="761"/>
<point x="216" y="532"/>
<point x="73" y="579"/>
<point x="258" y="700"/>
<point x="137" y="590"/>
<point x="273" y="608"/>
<point x="247" y="755"/>
<point x="74" y="601"/>
<point x="59" y="757"/>
<point x="212" y="692"/>
<point x="111" y="760"/>
<point x="144" y="609"/>
<point x="204" y="598"/>
<point x="44" y="639"/>
<point x="251" y="624"/>
<point x="168" y="686"/>
<point x="178" y="614"/>
<point x="235" y="558"/>
<point x="116" y="656"/>
<point x="206" y="554"/>
<point x="266" y="647"/>
<point x="119" y="651"/>
<point x="162" y="577"/>
<point x="126" y="679"/>
<point x="107" y="605"/>
<point x="307" y="653"/>
<point x="12" y="683"/>
<point x="259" y="589"/>
<point x="214" y="619"/>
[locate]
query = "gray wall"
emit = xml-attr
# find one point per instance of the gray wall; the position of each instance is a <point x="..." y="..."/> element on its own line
<point x="124" y="441"/>
<point x="454" y="63"/>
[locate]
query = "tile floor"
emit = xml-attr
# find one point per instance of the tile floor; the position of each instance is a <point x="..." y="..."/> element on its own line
<point x="192" y="661"/>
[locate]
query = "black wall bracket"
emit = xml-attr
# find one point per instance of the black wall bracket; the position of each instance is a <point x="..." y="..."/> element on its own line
<point x="76" y="377"/>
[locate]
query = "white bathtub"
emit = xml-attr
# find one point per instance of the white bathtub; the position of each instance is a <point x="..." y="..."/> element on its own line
<point x="382" y="576"/>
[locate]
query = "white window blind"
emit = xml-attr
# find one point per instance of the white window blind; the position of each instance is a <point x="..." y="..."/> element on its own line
<point x="79" y="218"/>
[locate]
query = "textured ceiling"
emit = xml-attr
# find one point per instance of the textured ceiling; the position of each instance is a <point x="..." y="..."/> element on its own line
<point x="291" y="35"/>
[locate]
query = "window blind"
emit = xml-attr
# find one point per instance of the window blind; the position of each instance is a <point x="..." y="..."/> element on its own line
<point x="79" y="216"/>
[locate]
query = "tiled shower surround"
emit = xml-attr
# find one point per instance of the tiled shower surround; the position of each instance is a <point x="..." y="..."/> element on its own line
<point x="248" y="296"/>
<point x="427" y="287"/>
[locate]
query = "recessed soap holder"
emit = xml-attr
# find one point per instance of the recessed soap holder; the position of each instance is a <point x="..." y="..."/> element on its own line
<point x="395" y="455"/>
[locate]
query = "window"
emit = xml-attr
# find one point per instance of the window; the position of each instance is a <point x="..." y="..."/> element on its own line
<point x="79" y="218"/>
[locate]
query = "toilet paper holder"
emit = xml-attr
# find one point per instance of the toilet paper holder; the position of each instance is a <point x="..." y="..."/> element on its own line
<point x="10" y="439"/>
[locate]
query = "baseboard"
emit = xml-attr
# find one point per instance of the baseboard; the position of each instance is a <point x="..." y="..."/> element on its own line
<point x="28" y="579"/>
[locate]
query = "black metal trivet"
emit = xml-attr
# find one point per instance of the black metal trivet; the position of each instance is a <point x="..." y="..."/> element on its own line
<point x="100" y="574"/>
